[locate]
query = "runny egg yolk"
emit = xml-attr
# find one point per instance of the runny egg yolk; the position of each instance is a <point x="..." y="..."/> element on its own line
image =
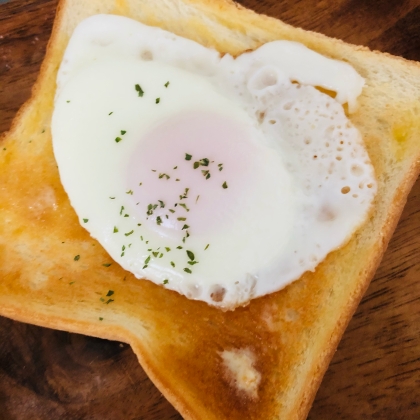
<point x="191" y="174"/>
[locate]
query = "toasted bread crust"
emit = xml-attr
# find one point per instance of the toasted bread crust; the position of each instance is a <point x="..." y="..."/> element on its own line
<point x="294" y="332"/>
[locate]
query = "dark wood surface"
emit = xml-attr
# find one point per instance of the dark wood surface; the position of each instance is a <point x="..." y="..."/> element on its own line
<point x="375" y="374"/>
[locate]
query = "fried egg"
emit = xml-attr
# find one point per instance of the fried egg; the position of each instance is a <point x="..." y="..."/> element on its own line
<point x="221" y="178"/>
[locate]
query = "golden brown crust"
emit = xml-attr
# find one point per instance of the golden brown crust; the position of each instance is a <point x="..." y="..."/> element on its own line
<point x="348" y="312"/>
<point x="294" y="332"/>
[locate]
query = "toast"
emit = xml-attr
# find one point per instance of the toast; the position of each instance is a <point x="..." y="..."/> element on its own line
<point x="294" y="332"/>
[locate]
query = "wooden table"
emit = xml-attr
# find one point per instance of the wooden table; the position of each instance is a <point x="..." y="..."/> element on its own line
<point x="375" y="374"/>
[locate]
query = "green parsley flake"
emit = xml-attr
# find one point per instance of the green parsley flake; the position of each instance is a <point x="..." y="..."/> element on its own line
<point x="85" y="220"/>
<point x="179" y="247"/>
<point x="185" y="227"/>
<point x="167" y="248"/>
<point x="101" y="319"/>
<point x="72" y="282"/>
<point x="109" y="301"/>
<point x="111" y="113"/>
<point x="110" y="293"/>
<point x="77" y="258"/>
<point x="129" y="192"/>
<point x="166" y="281"/>
<point x="139" y="90"/>
<point x="118" y="139"/>
<point x="224" y="185"/>
<point x="112" y="198"/>
<point x="196" y="165"/>
<point x="121" y="210"/>
<point x="107" y="265"/>
<point x="115" y="229"/>
<point x="162" y="204"/>
<point x="206" y="247"/>
<point x="123" y="132"/>
<point x="220" y="165"/>
<point x="173" y="264"/>
<point x="181" y="219"/>
<point x="147" y="260"/>
<point x="129" y="233"/>
<point x="157" y="100"/>
<point x="187" y="270"/>
<point x="187" y="156"/>
<point x="166" y="84"/>
<point x="158" y="220"/>
<point x="184" y="206"/>
<point x="190" y="255"/>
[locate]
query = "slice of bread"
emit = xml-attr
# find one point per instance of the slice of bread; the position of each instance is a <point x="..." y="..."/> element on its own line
<point x="289" y="336"/>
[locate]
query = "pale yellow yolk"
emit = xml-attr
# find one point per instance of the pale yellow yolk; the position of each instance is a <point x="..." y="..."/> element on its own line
<point x="191" y="174"/>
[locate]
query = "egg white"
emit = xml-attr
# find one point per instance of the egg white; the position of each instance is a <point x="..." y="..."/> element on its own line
<point x="302" y="182"/>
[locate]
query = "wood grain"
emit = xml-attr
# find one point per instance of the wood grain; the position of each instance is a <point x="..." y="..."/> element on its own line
<point x="46" y="374"/>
